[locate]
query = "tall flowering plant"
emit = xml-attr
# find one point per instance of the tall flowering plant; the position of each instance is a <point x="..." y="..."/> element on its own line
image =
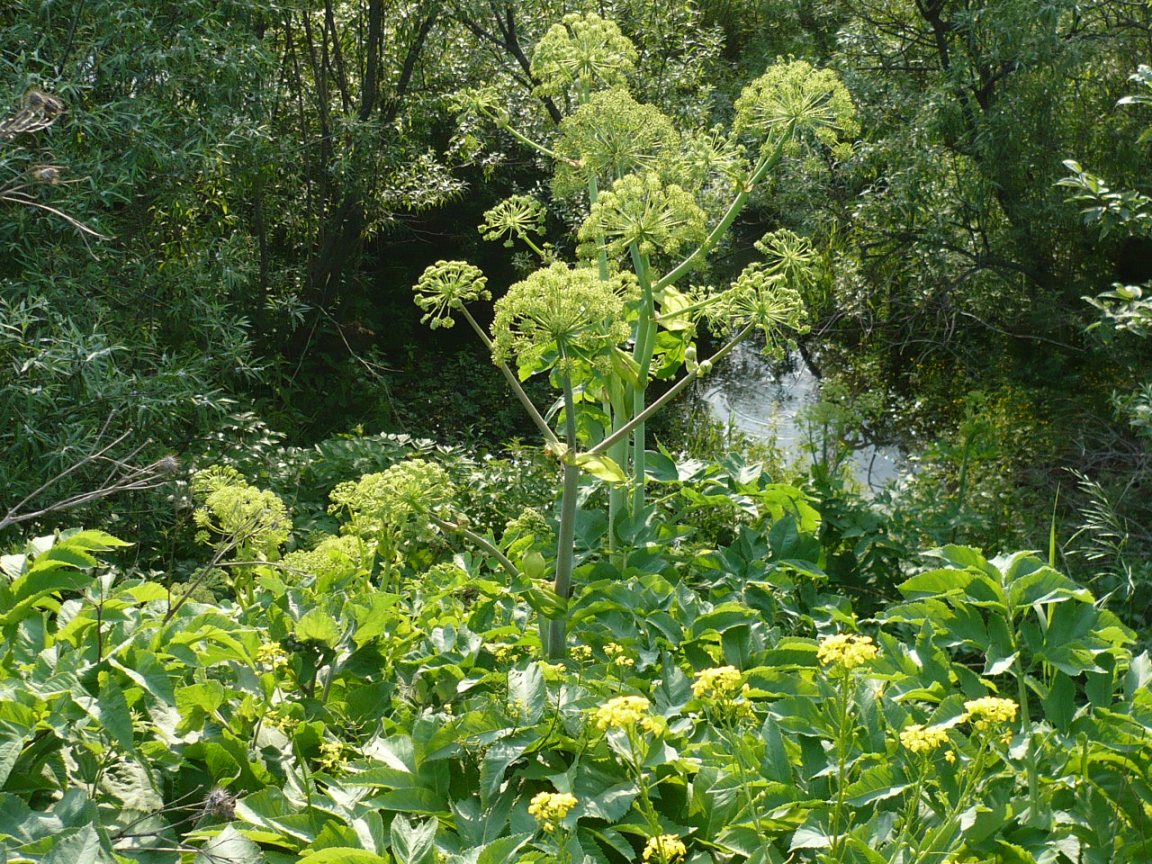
<point x="604" y="327"/>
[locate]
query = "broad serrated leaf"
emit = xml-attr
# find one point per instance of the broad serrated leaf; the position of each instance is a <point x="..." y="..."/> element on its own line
<point x="413" y="842"/>
<point x="229" y="847"/>
<point x="527" y="692"/>
<point x="75" y="846"/>
<point x="316" y="625"/>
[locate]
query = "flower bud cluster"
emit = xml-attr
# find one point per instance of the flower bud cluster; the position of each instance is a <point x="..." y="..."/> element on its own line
<point x="609" y="136"/>
<point x="796" y="100"/>
<point x="645" y="211"/>
<point x="446" y="286"/>
<point x="584" y="50"/>
<point x="622" y="712"/>
<point x="665" y="849"/>
<point x="559" y="311"/>
<point x="846" y="650"/>
<point x="722" y="682"/>
<point x="989" y="711"/>
<point x="235" y="510"/>
<point x="918" y="738"/>
<point x="388" y="500"/>
<point x="549" y="808"/>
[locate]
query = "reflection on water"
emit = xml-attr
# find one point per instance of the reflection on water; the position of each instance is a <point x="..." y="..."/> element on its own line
<point x="765" y="402"/>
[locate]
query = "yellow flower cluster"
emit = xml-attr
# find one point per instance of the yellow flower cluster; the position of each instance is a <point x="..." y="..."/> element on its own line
<point x="272" y="655"/>
<point x="621" y="712"/>
<point x="581" y="653"/>
<point x="722" y="682"/>
<point x="846" y="650"/>
<point x="665" y="849"/>
<point x="922" y="739"/>
<point x="988" y="711"/>
<point x="552" y="671"/>
<point x="331" y="755"/>
<point x="548" y="808"/>
<point x="615" y="653"/>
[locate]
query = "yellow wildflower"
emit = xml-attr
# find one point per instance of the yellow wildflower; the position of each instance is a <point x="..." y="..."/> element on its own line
<point x="331" y="755"/>
<point x="950" y="757"/>
<point x="581" y="653"/>
<point x="621" y="712"/>
<point x="665" y="849"/>
<point x="719" y="683"/>
<point x="552" y="671"/>
<point x="272" y="655"/>
<point x="846" y="650"/>
<point x="548" y="808"/>
<point x="988" y="711"/>
<point x="922" y="739"/>
<point x="615" y="654"/>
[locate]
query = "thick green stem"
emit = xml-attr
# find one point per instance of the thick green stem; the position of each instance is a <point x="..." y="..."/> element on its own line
<point x="766" y="164"/>
<point x="513" y="382"/>
<point x="566" y="536"/>
<point x="674" y="391"/>
<point x="843" y="736"/>
<point x="642" y="354"/>
<point x="601" y="255"/>
<point x="618" y="453"/>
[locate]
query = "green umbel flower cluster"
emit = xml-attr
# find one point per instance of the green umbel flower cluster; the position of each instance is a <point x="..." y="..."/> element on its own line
<point x="559" y="313"/>
<point x="706" y="155"/>
<point x="797" y="100"/>
<point x="446" y="286"/>
<point x="583" y="49"/>
<point x="334" y="560"/>
<point x="391" y="500"/>
<point x="610" y="136"/>
<point x="645" y="211"/>
<point x="515" y="217"/>
<point x="237" y="512"/>
<point x="769" y="294"/>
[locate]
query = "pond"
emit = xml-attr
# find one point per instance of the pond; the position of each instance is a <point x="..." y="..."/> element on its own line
<point x="766" y="401"/>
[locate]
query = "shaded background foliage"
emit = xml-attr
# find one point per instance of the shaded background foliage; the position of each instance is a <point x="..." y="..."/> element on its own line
<point x="267" y="178"/>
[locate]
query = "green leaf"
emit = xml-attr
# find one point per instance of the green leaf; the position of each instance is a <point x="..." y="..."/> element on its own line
<point x="149" y="674"/>
<point x="660" y="468"/>
<point x="1045" y="585"/>
<point x="230" y="847"/>
<point x="12" y="741"/>
<point x="601" y="467"/>
<point x="413" y="843"/>
<point x="316" y="625"/>
<point x="502" y="850"/>
<point x="813" y="834"/>
<point x="875" y="784"/>
<point x="92" y="540"/>
<point x="206" y="697"/>
<point x="1060" y="703"/>
<point x="527" y="692"/>
<point x="75" y="846"/>
<point x="115" y="714"/>
<point x="546" y="602"/>
<point x="935" y="583"/>
<point x="497" y="759"/>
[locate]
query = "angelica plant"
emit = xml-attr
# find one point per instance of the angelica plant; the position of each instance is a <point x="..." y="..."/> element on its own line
<point x="604" y="329"/>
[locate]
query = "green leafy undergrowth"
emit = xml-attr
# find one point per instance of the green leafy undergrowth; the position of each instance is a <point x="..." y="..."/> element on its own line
<point x="382" y="697"/>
